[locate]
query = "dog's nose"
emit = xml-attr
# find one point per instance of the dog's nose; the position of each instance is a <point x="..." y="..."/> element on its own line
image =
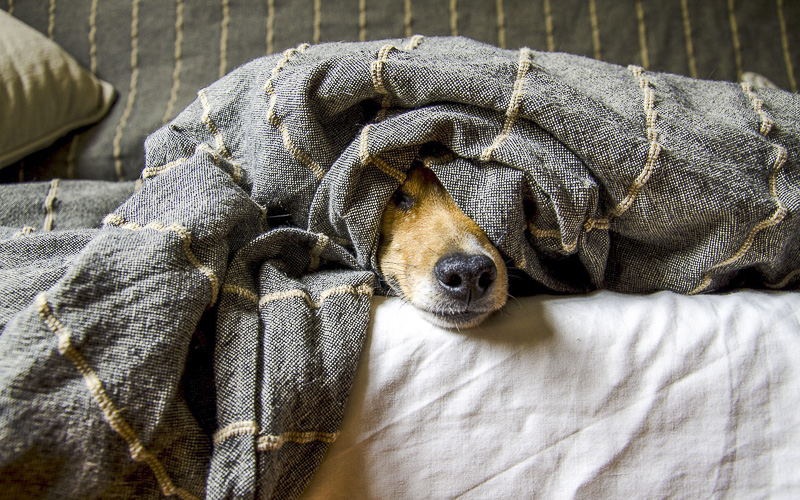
<point x="465" y="277"/>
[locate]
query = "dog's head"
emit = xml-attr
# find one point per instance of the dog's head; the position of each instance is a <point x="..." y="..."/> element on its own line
<point x="437" y="258"/>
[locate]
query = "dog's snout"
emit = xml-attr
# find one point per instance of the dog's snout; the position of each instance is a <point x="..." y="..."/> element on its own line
<point x="465" y="277"/>
<point x="436" y="257"/>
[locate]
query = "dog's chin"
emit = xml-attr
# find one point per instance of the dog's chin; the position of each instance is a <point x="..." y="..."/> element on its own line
<point x="456" y="321"/>
<point x="444" y="313"/>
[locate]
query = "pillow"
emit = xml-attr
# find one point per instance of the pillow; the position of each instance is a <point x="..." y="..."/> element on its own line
<point x="44" y="92"/>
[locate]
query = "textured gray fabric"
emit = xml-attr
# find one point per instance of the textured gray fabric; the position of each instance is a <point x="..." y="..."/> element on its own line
<point x="157" y="53"/>
<point x="196" y="344"/>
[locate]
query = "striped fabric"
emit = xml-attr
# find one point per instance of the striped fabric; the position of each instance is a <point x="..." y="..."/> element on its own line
<point x="158" y="53"/>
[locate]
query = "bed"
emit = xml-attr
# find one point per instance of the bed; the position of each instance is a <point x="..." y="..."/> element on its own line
<point x="188" y="307"/>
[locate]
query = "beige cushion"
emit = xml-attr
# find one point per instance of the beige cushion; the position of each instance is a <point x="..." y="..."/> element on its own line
<point x="44" y="92"/>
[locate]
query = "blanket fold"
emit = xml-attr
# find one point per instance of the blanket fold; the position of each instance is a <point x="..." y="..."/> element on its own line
<point x="254" y="231"/>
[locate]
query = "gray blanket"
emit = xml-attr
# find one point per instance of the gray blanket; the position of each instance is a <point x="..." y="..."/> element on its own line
<point x="201" y="339"/>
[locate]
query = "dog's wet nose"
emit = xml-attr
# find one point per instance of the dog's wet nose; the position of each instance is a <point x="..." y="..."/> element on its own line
<point x="465" y="277"/>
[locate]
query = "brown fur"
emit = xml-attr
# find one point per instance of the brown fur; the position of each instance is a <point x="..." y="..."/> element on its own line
<point x="421" y="225"/>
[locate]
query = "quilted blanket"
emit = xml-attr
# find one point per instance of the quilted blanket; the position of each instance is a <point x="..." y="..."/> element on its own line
<point x="201" y="339"/>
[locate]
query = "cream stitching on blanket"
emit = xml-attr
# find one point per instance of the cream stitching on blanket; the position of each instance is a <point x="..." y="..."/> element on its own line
<point x="317" y="20"/>
<point x="186" y="242"/>
<point x="601" y="224"/>
<point x="552" y="234"/>
<point x="297" y="152"/>
<point x="376" y="73"/>
<point x="223" y="37"/>
<point x="270" y="442"/>
<point x="218" y="160"/>
<point x="548" y="25"/>
<point x="92" y="37"/>
<point x="270" y="26"/>
<point x="773" y="220"/>
<point x="241" y="292"/>
<point x="785" y="281"/>
<point x="243" y="428"/>
<point x="414" y="42"/>
<point x="376" y="69"/>
<point x="737" y="45"/>
<point x="365" y="289"/>
<point x="287" y="56"/>
<point x="362" y="20"/>
<point x="276" y="122"/>
<point x="367" y="159"/>
<point x="132" y="89"/>
<point x="652" y="136"/>
<point x="407" y="18"/>
<point x="385" y="168"/>
<point x="765" y="126"/>
<point x="178" y="56"/>
<point x="323" y="296"/>
<point x="154" y="171"/>
<point x="287" y="294"/>
<point x="765" y="121"/>
<point x="640" y="20"/>
<point x="112" y="415"/>
<point x="787" y="55"/>
<point x="25" y="231"/>
<point x="48" y="206"/>
<point x="653" y="153"/>
<point x="273" y="99"/>
<point x="454" y="17"/>
<point x="316" y="252"/>
<point x="512" y="112"/>
<point x="595" y="28"/>
<point x="501" y="24"/>
<point x="211" y="126"/>
<point x="687" y="35"/>
<point x="51" y="19"/>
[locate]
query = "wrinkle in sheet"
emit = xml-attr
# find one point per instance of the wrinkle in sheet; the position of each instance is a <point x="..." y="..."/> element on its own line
<point x="698" y="364"/>
<point x="396" y="419"/>
<point x="636" y="365"/>
<point x="749" y="386"/>
<point x="557" y="453"/>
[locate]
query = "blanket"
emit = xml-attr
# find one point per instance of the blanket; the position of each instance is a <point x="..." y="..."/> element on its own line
<point x="201" y="338"/>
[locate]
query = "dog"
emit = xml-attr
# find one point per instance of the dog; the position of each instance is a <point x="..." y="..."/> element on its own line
<point x="438" y="259"/>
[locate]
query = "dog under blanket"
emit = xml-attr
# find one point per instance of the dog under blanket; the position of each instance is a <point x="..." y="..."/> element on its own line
<point x="243" y="261"/>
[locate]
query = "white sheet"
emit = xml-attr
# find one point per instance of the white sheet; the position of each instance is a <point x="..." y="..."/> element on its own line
<point x="602" y="396"/>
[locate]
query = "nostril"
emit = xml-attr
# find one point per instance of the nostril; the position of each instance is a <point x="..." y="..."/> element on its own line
<point x="452" y="280"/>
<point x="486" y="279"/>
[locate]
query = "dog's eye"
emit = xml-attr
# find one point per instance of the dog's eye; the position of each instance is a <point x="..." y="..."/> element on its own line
<point x="402" y="200"/>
